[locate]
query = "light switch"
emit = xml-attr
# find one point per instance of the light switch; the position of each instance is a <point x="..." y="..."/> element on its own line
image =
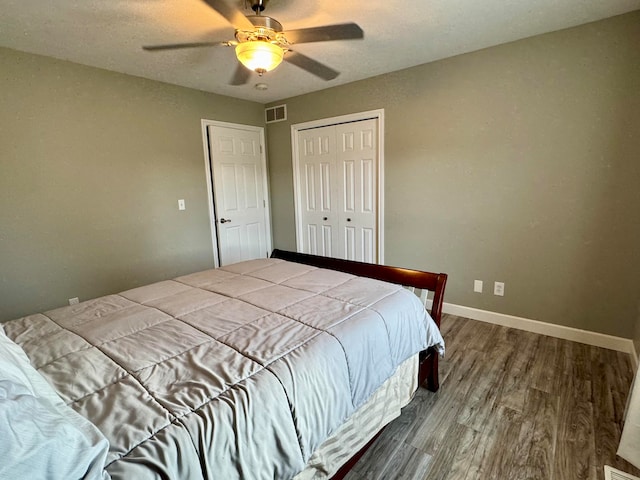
<point x="181" y="205"/>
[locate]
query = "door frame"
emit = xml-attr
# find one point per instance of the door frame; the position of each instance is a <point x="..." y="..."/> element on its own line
<point x="213" y="223"/>
<point x="326" y="122"/>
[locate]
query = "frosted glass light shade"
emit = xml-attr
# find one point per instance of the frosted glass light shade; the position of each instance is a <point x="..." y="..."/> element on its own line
<point x="259" y="56"/>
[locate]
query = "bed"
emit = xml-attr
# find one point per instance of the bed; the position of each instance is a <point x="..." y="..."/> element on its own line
<point x="262" y="369"/>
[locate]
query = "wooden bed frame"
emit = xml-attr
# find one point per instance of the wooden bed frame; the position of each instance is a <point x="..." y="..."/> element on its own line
<point x="416" y="279"/>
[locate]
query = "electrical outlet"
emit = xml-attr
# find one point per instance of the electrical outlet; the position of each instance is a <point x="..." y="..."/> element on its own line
<point x="74" y="301"/>
<point x="498" y="289"/>
<point x="181" y="205"/>
<point x="477" y="286"/>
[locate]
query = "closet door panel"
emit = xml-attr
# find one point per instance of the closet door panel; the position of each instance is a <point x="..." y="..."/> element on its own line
<point x="357" y="158"/>
<point x="318" y="178"/>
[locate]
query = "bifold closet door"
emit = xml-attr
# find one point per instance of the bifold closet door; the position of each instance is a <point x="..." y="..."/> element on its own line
<point x="318" y="186"/>
<point x="357" y="160"/>
<point x="337" y="181"/>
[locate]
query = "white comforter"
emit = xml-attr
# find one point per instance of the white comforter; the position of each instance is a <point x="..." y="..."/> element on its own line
<point x="238" y="372"/>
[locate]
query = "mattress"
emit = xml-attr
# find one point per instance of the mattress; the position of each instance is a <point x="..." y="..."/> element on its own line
<point x="237" y="372"/>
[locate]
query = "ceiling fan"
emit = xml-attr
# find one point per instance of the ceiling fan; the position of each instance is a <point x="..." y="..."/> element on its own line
<point x="261" y="44"/>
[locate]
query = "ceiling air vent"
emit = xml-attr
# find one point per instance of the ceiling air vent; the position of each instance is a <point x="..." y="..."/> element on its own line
<point x="276" y="114"/>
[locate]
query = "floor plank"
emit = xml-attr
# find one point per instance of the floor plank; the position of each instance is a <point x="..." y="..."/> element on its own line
<point x="512" y="404"/>
<point x="542" y="407"/>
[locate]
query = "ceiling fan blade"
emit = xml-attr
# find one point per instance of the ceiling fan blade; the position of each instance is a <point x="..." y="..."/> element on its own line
<point x="343" y="31"/>
<point x="175" y="46"/>
<point x="231" y="13"/>
<point x="241" y="75"/>
<point x="310" y="65"/>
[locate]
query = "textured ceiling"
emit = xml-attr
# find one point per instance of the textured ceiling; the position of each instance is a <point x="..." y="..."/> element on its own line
<point x="398" y="34"/>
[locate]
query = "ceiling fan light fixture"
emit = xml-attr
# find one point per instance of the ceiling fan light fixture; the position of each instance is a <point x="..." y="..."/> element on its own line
<point x="259" y="56"/>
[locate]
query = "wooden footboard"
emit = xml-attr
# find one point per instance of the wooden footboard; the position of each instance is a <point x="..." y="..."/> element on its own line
<point x="417" y="279"/>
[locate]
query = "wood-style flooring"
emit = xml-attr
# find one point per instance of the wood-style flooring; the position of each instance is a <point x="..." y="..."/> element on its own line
<point x="511" y="405"/>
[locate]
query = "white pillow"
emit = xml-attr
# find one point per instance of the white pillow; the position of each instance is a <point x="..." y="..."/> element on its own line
<point x="41" y="436"/>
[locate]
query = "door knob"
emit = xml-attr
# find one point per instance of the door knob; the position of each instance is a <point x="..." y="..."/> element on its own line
<point x="325" y="218"/>
<point x="348" y="219"/>
<point x="222" y="220"/>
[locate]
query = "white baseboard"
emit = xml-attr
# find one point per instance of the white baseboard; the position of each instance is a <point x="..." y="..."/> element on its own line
<point x="559" y="331"/>
<point x="634" y="358"/>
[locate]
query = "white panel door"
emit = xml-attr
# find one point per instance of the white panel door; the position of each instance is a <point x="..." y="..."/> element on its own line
<point x="318" y="191"/>
<point x="239" y="196"/>
<point x="357" y="162"/>
<point x="337" y="185"/>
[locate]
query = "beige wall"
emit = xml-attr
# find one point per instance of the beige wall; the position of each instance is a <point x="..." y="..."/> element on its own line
<point x="530" y="149"/>
<point x="519" y="163"/>
<point x="636" y="336"/>
<point x="92" y="164"/>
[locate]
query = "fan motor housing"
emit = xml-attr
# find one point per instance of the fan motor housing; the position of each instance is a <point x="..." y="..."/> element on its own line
<point x="262" y="21"/>
<point x="266" y="29"/>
